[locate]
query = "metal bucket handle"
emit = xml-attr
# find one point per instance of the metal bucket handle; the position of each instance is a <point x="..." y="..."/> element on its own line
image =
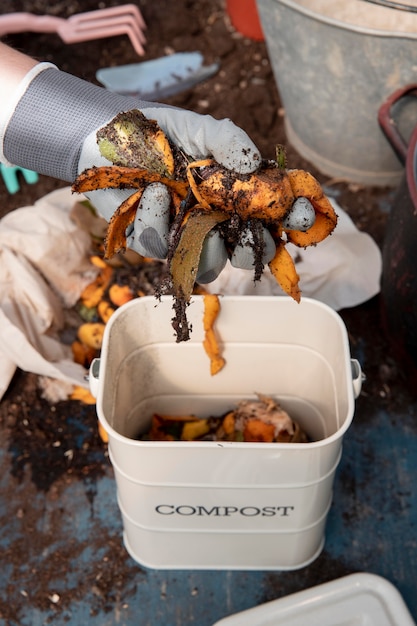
<point x="388" y="123"/>
<point x="358" y="377"/>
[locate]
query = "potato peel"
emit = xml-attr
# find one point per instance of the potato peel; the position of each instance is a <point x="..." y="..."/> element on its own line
<point x="305" y="185"/>
<point x="266" y="194"/>
<point x="122" y="218"/>
<point x="118" y="177"/>
<point x="283" y="269"/>
<point x="210" y="343"/>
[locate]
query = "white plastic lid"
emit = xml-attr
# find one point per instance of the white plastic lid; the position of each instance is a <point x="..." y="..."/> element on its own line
<point x="355" y="600"/>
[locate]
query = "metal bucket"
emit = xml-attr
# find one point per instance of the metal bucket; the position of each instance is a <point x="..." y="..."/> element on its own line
<point x="335" y="63"/>
<point x="399" y="275"/>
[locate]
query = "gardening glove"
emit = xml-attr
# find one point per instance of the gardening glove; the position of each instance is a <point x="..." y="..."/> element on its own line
<point x="51" y="128"/>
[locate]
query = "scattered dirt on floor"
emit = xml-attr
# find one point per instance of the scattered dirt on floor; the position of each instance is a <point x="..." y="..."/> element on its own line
<point x="244" y="90"/>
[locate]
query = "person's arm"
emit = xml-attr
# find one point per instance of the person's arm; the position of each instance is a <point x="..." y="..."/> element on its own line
<point x="48" y="114"/>
<point x="48" y="124"/>
<point x="13" y="68"/>
<point x="17" y="70"/>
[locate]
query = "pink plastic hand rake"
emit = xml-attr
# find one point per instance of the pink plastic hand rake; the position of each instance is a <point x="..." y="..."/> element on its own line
<point x="122" y="20"/>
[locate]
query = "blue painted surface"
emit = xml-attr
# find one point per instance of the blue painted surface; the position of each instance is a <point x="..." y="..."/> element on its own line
<point x="371" y="527"/>
<point x="375" y="503"/>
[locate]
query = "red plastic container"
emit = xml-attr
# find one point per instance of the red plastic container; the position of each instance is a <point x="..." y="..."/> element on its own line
<point x="244" y="17"/>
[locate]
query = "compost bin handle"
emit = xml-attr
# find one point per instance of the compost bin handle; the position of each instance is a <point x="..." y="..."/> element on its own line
<point x="388" y="124"/>
<point x="93" y="376"/>
<point x="357" y="376"/>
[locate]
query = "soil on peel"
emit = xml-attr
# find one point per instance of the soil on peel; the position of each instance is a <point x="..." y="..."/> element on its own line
<point x="35" y="432"/>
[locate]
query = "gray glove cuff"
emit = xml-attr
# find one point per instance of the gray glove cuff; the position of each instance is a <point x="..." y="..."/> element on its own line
<point x="52" y="119"/>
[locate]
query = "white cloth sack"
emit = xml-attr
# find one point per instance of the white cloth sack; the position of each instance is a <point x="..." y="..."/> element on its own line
<point x="44" y="267"/>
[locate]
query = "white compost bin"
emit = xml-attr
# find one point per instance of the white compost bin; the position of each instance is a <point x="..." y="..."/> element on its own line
<point x="225" y="505"/>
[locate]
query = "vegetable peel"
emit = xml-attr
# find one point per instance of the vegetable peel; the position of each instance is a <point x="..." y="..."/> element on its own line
<point x="204" y="196"/>
<point x="210" y="343"/>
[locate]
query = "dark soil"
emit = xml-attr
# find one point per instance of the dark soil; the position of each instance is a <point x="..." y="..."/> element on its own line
<point x="244" y="90"/>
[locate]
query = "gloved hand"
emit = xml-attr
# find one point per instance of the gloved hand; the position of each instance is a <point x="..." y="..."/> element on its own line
<point x="51" y="128"/>
<point x="198" y="136"/>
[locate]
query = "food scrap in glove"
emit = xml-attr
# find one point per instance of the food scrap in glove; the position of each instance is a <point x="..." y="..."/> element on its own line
<point x="204" y="197"/>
